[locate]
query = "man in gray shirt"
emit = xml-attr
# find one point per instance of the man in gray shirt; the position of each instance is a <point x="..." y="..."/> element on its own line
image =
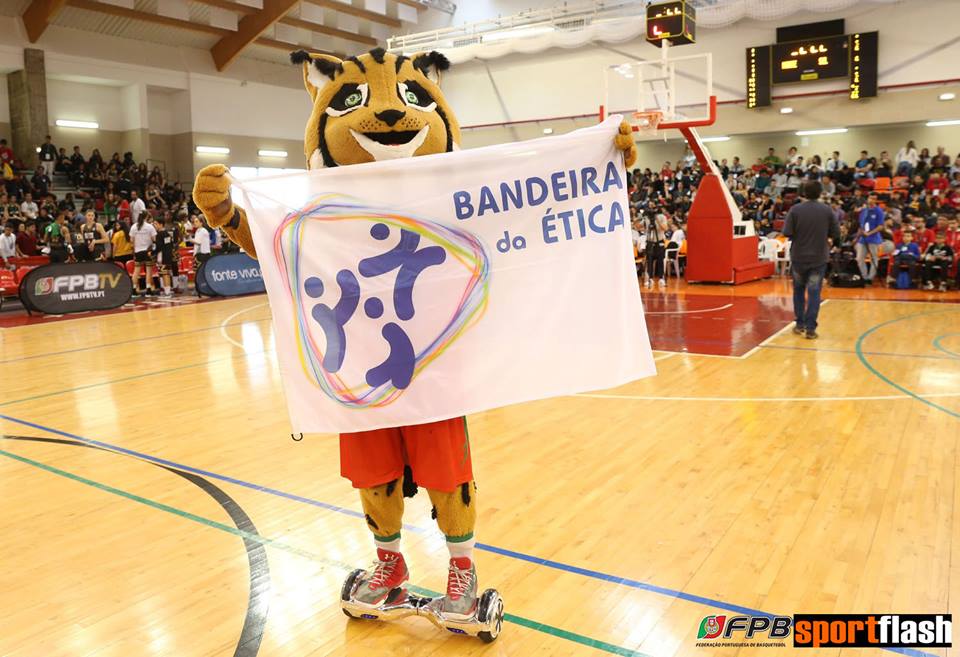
<point x="808" y="225"/>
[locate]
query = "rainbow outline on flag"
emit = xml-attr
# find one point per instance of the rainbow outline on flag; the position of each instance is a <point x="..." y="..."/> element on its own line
<point x="465" y="247"/>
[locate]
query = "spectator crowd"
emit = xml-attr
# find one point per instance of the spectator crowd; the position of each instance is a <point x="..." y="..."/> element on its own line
<point x="104" y="210"/>
<point x="901" y="210"/>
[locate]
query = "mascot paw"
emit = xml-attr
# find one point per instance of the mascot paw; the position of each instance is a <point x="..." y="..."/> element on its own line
<point x="624" y="142"/>
<point x="211" y="193"/>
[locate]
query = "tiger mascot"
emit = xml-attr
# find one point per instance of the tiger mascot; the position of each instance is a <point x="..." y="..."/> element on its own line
<point x="374" y="107"/>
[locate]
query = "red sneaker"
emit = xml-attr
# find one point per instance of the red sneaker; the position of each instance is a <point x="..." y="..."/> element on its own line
<point x="388" y="572"/>
<point x="460" y="603"/>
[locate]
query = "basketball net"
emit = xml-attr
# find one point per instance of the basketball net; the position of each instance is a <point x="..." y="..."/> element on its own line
<point x="646" y="123"/>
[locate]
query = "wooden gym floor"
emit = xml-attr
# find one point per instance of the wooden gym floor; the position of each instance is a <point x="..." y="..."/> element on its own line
<point x="154" y="503"/>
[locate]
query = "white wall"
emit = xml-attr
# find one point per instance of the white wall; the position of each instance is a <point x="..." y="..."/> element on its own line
<point x="247" y="109"/>
<point x="86" y="102"/>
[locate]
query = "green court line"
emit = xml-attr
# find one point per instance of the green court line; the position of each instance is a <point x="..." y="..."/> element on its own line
<point x="286" y="547"/>
<point x="866" y="363"/>
<point x="936" y="343"/>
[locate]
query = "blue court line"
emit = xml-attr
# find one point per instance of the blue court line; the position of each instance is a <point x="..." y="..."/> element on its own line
<point x="873" y="370"/>
<point x="853" y="351"/>
<point x="549" y="563"/>
<point x="113" y="344"/>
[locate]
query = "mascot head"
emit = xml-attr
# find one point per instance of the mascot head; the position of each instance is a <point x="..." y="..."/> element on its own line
<point x="378" y="106"/>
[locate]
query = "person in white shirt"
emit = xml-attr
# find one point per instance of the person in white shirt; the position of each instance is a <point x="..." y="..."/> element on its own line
<point x="8" y="246"/>
<point x="906" y="159"/>
<point x="834" y="163"/>
<point x="137" y="206"/>
<point x="201" y="242"/>
<point x="28" y="208"/>
<point x="143" y="235"/>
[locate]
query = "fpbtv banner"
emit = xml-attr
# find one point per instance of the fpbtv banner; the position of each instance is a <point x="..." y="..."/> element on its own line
<point x="415" y="290"/>
<point x="73" y="288"/>
<point x="232" y="274"/>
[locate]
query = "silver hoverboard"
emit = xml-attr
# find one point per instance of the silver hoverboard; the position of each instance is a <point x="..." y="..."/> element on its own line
<point x="484" y="624"/>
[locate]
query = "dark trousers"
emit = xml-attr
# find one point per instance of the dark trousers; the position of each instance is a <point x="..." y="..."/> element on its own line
<point x="807" y="284"/>
<point x="935" y="272"/>
<point x="655" y="255"/>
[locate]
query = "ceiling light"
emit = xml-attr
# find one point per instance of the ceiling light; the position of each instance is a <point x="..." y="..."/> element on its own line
<point x="67" y="123"/>
<point x="786" y="110"/>
<point x="219" y="150"/>
<point x="709" y="139"/>
<point x="947" y="96"/>
<point x="268" y="153"/>
<point x="935" y="124"/>
<point x="548" y="131"/>
<point x="825" y="131"/>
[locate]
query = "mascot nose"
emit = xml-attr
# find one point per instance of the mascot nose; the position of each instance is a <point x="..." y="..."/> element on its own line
<point x="390" y="117"/>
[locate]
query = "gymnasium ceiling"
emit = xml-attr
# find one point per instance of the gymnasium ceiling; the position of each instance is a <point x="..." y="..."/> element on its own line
<point x="262" y="29"/>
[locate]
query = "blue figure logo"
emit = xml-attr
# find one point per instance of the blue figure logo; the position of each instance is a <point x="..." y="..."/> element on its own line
<point x="410" y="262"/>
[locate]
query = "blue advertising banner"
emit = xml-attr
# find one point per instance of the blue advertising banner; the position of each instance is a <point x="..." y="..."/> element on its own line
<point x="232" y="275"/>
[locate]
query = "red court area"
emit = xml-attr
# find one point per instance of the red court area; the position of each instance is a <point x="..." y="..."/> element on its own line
<point x="713" y="324"/>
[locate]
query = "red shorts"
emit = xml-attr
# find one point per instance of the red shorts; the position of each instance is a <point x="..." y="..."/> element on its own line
<point x="438" y="453"/>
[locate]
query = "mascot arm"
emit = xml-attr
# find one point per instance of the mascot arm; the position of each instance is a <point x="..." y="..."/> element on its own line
<point x="211" y="193"/>
<point x="624" y="142"/>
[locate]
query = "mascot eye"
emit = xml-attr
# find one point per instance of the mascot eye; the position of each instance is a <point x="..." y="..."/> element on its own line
<point x="413" y="95"/>
<point x="348" y="98"/>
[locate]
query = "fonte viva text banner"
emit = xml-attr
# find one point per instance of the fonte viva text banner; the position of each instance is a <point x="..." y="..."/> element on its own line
<point x="415" y="290"/>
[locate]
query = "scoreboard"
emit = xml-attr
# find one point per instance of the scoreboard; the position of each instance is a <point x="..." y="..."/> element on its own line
<point x="814" y="59"/>
<point x="811" y="52"/>
<point x="675" y="21"/>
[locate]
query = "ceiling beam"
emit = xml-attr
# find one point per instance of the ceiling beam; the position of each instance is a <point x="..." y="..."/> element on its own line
<point x="356" y="11"/>
<point x="249" y="29"/>
<point x="123" y="12"/>
<point x="229" y="4"/>
<point x="329" y="31"/>
<point x="38" y="15"/>
<point x="419" y="6"/>
<point x="133" y="14"/>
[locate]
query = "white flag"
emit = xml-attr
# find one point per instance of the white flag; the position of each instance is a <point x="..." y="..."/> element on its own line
<point x="416" y="290"/>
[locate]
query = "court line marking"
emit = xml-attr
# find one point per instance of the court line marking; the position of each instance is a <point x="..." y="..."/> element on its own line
<point x="689" y="312"/>
<point x="936" y="343"/>
<point x="761" y="399"/>
<point x="544" y="628"/>
<point x="117" y="311"/>
<point x="548" y="563"/>
<point x="145" y="339"/>
<point x="260" y="584"/>
<point x="226" y="322"/>
<point x="866" y="363"/>
<point x="854" y="351"/>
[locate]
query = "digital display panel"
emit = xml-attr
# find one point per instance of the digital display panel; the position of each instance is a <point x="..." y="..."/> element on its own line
<point x="813" y="59"/>
<point x="758" y="77"/>
<point x="675" y="21"/>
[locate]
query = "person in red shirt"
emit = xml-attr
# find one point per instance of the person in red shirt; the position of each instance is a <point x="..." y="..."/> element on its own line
<point x="27" y="240"/>
<point x="953" y="234"/>
<point x="937" y="184"/>
<point x="6" y="153"/>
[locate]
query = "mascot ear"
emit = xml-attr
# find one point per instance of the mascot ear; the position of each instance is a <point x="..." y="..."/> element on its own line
<point x="318" y="69"/>
<point x="431" y="64"/>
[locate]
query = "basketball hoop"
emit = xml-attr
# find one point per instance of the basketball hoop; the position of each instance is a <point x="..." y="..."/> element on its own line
<point x="646" y="123"/>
